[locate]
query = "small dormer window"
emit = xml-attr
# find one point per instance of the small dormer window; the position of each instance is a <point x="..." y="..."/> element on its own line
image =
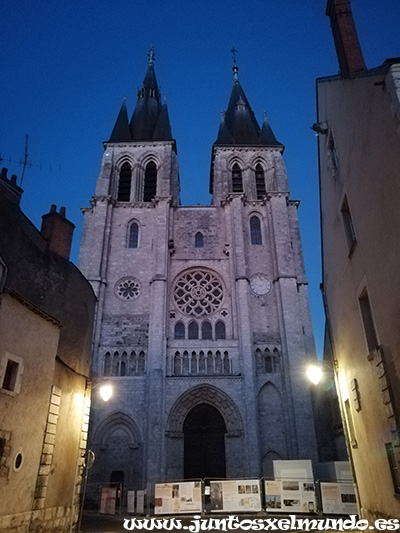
<point x="237" y="180"/>
<point x="199" y="240"/>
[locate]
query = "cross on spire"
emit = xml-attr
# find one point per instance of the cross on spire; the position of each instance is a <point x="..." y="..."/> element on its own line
<point x="235" y="67"/>
<point x="151" y="56"/>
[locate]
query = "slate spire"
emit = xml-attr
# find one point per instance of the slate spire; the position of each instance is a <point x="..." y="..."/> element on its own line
<point x="150" y="117"/>
<point x="240" y="126"/>
<point x="121" y="132"/>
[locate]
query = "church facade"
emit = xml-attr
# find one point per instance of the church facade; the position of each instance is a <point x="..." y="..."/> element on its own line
<point x="203" y="323"/>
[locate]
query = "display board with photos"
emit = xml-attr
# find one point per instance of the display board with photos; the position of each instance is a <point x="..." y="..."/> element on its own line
<point x="235" y="495"/>
<point x="290" y="496"/>
<point x="108" y="500"/>
<point x="177" y="498"/>
<point x="338" y="498"/>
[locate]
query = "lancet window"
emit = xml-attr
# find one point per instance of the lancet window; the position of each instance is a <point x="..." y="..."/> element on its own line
<point x="237" y="180"/>
<point x="150" y="182"/>
<point x="124" y="183"/>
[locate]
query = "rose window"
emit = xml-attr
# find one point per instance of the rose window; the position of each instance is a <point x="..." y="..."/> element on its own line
<point x="198" y="292"/>
<point x="127" y="289"/>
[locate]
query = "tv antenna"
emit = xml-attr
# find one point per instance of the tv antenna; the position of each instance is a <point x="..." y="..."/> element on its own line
<point x="24" y="162"/>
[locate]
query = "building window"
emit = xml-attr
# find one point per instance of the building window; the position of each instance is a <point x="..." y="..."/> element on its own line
<point x="199" y="240"/>
<point x="124" y="184"/>
<point x="150" y="182"/>
<point x="350" y="424"/>
<point x="394" y="469"/>
<point x="11" y="369"/>
<point x="179" y="330"/>
<point x="193" y="330"/>
<point x="237" y="181"/>
<point x="332" y="153"/>
<point x="368" y="321"/>
<point x="348" y="225"/>
<point x="260" y="182"/>
<point x="133" y="240"/>
<point x="107" y="364"/>
<point x="206" y="330"/>
<point x="220" y="331"/>
<point x="255" y="230"/>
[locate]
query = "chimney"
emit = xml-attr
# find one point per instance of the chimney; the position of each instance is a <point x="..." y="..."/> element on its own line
<point x="348" y="49"/>
<point x="9" y="188"/>
<point x="58" y="231"/>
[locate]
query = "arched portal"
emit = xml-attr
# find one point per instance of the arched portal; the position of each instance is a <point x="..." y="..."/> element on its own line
<point x="204" y="443"/>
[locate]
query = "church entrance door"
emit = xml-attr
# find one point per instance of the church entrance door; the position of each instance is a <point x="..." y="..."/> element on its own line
<point x="204" y="443"/>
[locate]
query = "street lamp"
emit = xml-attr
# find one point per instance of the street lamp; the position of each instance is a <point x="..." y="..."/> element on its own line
<point x="105" y="390"/>
<point x="314" y="373"/>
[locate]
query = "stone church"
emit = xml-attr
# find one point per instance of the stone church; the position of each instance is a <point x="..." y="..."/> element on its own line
<point x="203" y="323"/>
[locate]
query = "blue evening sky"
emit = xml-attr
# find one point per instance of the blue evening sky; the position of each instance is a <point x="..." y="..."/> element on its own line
<point x="66" y="66"/>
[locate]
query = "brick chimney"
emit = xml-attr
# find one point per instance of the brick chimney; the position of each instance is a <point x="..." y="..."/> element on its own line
<point x="9" y="187"/>
<point x="58" y="231"/>
<point x="344" y="31"/>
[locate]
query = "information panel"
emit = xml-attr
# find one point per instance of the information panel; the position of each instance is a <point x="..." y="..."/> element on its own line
<point x="235" y="495"/>
<point x="130" y="504"/>
<point x="108" y="498"/>
<point x="176" y="498"/>
<point x="338" y="498"/>
<point x="140" y="502"/>
<point x="290" y="496"/>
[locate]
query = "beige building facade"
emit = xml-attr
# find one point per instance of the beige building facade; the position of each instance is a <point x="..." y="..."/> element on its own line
<point x="359" y="158"/>
<point x="46" y="315"/>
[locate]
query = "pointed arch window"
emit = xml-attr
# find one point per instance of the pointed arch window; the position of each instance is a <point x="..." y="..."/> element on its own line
<point x="260" y="182"/>
<point x="193" y="330"/>
<point x="220" y="331"/>
<point x="199" y="240"/>
<point x="255" y="230"/>
<point x="179" y="330"/>
<point x="237" y="180"/>
<point x="124" y="183"/>
<point x="150" y="182"/>
<point x="133" y="239"/>
<point x="206" y="330"/>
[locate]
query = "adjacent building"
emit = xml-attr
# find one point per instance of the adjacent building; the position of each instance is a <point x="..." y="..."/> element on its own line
<point x="46" y="316"/>
<point x="203" y="323"/>
<point x="359" y="159"/>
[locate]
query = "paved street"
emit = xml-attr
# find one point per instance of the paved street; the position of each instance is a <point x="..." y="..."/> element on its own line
<point x="93" y="522"/>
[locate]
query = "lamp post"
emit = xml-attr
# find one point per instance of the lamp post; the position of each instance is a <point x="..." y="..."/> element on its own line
<point x="316" y="372"/>
<point x="105" y="391"/>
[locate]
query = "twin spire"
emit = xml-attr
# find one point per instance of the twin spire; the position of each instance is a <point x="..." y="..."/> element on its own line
<point x="150" y="120"/>
<point x="239" y="125"/>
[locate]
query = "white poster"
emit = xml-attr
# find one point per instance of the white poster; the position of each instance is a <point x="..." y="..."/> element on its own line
<point x="130" y="507"/>
<point x="290" y="496"/>
<point x="108" y="497"/>
<point x="177" y="498"/>
<point x="294" y="469"/>
<point x="140" y="502"/>
<point x="338" y="498"/>
<point x="235" y="495"/>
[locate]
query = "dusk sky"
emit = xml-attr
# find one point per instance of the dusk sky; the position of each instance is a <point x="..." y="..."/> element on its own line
<point x="66" y="66"/>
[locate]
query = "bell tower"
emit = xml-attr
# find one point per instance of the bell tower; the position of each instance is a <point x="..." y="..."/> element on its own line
<point x="140" y="162"/>
<point x="245" y="159"/>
